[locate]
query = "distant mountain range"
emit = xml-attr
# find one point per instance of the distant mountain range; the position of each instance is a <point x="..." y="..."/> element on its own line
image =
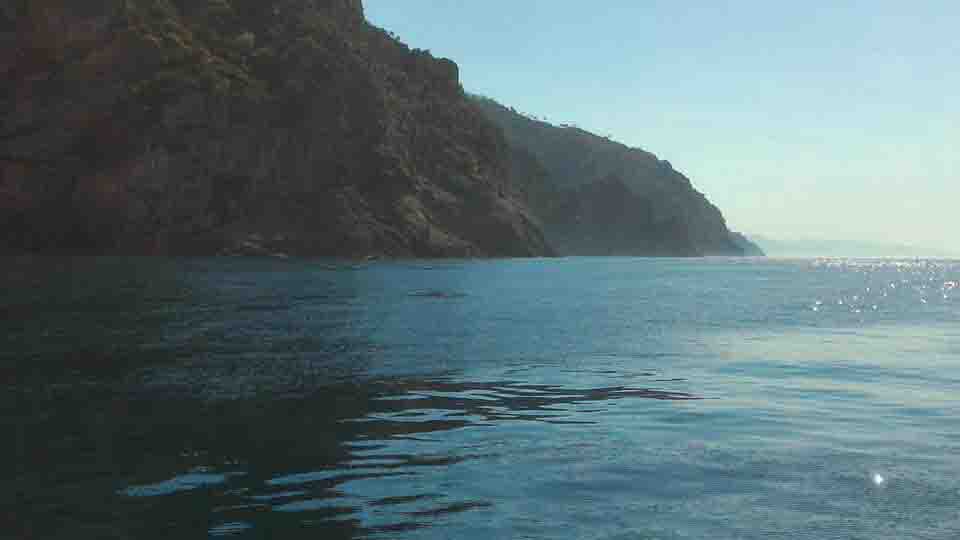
<point x="841" y="248"/>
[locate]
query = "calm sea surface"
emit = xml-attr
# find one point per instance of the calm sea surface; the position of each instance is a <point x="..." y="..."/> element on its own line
<point x="608" y="398"/>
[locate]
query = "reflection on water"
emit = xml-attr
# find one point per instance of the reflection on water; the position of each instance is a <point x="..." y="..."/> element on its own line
<point x="608" y="398"/>
<point x="231" y="466"/>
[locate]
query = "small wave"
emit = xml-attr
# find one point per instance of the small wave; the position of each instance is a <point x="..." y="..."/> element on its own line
<point x="185" y="482"/>
<point x="443" y="295"/>
<point x="229" y="529"/>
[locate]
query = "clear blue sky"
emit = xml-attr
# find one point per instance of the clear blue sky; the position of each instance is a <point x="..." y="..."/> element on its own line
<point x="814" y="119"/>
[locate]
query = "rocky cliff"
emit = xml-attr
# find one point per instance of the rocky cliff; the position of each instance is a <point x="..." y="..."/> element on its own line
<point x="242" y="126"/>
<point x="599" y="197"/>
<point x="295" y="127"/>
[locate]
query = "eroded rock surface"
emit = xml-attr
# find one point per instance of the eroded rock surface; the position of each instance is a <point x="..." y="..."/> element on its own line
<point x="242" y="126"/>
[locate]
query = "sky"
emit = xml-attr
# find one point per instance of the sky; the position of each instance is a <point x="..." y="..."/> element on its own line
<point x="800" y="120"/>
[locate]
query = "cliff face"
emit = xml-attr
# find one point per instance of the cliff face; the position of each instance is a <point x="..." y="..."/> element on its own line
<point x="606" y="217"/>
<point x="597" y="196"/>
<point x="248" y="126"/>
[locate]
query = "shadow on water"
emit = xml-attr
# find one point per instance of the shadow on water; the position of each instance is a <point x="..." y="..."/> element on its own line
<point x="159" y="399"/>
<point x="154" y="467"/>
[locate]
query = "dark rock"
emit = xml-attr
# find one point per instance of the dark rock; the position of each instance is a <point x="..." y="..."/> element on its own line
<point x="294" y="127"/>
<point x="174" y="126"/>
<point x="595" y="196"/>
<point x="606" y="217"/>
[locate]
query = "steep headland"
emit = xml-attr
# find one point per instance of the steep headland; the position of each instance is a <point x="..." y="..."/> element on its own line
<point x="250" y="126"/>
<point x="296" y="127"/>
<point x="597" y="196"/>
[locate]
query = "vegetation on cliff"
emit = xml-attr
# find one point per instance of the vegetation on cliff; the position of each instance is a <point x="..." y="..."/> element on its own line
<point x="296" y="127"/>
<point x="211" y="126"/>
<point x="600" y="197"/>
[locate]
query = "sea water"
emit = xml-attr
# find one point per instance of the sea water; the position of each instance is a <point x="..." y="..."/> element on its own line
<point x="587" y="398"/>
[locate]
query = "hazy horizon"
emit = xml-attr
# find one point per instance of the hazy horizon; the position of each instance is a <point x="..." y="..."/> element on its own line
<point x="806" y="247"/>
<point x="798" y="121"/>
